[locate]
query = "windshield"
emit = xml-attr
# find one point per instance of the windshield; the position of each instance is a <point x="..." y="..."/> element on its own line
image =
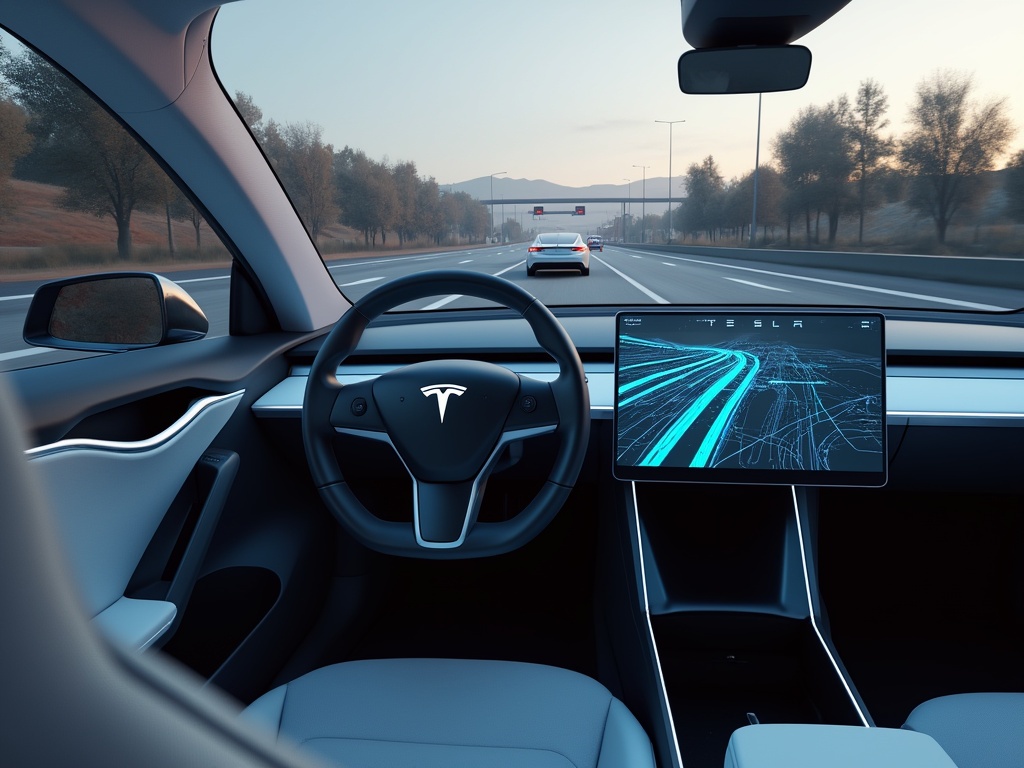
<point x="414" y="136"/>
<point x="408" y="131"/>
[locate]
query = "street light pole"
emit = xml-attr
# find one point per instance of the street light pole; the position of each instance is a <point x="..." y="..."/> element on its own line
<point x="629" y="195"/>
<point x="492" y="203"/>
<point x="670" y="123"/>
<point x="643" y="205"/>
<point x="757" y="165"/>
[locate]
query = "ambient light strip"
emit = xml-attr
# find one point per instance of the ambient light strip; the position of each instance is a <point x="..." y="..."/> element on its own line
<point x="138" y="446"/>
<point x="650" y="627"/>
<point x="813" y="615"/>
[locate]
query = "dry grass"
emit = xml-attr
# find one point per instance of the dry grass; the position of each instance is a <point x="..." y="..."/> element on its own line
<point x="38" y="240"/>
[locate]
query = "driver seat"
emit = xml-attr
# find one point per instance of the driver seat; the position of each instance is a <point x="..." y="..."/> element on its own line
<point x="115" y="707"/>
<point x="454" y="713"/>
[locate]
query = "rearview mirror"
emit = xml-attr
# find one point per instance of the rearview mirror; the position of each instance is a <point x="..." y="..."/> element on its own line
<point x="749" y="69"/>
<point x="113" y="312"/>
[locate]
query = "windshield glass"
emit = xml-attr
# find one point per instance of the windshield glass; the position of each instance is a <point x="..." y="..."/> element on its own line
<point x="449" y="134"/>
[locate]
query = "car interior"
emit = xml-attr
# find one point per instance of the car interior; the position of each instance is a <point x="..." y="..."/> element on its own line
<point x="340" y="532"/>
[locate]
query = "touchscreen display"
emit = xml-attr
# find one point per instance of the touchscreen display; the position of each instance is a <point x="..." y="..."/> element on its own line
<point x="795" y="398"/>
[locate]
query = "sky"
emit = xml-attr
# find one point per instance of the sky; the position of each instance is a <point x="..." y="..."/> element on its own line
<point x="570" y="91"/>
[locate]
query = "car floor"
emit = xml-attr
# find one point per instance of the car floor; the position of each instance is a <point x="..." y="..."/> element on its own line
<point x="924" y="593"/>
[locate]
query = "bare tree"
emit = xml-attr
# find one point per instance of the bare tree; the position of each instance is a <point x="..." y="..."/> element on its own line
<point x="870" y="147"/>
<point x="103" y="169"/>
<point x="954" y="139"/>
<point x="305" y="166"/>
<point x="15" y="142"/>
<point x="251" y="114"/>
<point x="406" y="198"/>
<point x="1015" y="186"/>
<point x="816" y="163"/>
<point x="770" y="195"/>
<point x="701" y="210"/>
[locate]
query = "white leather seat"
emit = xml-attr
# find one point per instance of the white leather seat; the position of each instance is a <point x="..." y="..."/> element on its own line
<point x="454" y="713"/>
<point x="977" y="730"/>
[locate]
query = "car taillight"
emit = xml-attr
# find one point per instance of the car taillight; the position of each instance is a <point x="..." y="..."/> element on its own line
<point x="579" y="247"/>
<point x="534" y="249"/>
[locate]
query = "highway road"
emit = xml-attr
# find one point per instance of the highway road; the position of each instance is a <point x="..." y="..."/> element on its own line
<point x="618" y="276"/>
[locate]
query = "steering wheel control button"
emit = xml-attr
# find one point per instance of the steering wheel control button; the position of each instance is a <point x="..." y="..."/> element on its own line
<point x="528" y="404"/>
<point x="359" y="406"/>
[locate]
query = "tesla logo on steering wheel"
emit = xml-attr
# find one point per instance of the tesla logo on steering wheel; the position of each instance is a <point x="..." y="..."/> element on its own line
<point x="443" y="392"/>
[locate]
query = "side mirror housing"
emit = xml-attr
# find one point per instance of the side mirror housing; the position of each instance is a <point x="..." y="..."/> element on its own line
<point x="113" y="312"/>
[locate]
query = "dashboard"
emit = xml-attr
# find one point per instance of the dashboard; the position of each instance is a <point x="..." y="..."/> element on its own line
<point x="941" y="377"/>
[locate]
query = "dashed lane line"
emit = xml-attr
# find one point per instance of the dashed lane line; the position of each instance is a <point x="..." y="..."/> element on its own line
<point x="449" y="299"/>
<point x="647" y="291"/>
<point x="758" y="285"/>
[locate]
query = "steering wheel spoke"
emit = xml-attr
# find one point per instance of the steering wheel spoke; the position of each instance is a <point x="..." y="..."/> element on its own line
<point x="444" y="512"/>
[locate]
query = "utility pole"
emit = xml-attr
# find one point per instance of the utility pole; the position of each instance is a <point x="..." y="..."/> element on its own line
<point x="491" y="233"/>
<point x="670" y="123"/>
<point x="757" y="164"/>
<point x="643" y="205"/>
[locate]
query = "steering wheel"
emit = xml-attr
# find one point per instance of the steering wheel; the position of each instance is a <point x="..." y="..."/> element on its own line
<point x="448" y="421"/>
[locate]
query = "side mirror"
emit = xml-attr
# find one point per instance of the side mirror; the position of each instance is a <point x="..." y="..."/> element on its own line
<point x="750" y="69"/>
<point x="113" y="312"/>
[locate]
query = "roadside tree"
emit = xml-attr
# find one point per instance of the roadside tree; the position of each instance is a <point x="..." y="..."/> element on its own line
<point x="1015" y="186"/>
<point x="953" y="141"/>
<point x="701" y="210"/>
<point x="870" y="148"/>
<point x="77" y="145"/>
<point x="815" y="160"/>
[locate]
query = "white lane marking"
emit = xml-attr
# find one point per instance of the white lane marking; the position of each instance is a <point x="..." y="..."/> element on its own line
<point x="658" y="299"/>
<point x="23" y="353"/>
<point x="179" y="282"/>
<point x="669" y="264"/>
<point x="758" y="285"/>
<point x="383" y="260"/>
<point x="449" y="299"/>
<point x="203" y="279"/>
<point x="466" y="261"/>
<point x="635" y="256"/>
<point x="360" y="282"/>
<point x="441" y="302"/>
<point x="509" y="269"/>
<point x="855" y="286"/>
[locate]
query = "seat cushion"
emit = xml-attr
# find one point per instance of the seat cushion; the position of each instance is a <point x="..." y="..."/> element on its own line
<point x="977" y="730"/>
<point x="454" y="713"/>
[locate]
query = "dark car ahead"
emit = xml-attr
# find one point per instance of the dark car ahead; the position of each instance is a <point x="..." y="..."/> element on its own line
<point x="595" y="244"/>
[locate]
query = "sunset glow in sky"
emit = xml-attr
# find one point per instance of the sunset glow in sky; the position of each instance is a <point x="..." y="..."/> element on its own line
<point x="570" y="91"/>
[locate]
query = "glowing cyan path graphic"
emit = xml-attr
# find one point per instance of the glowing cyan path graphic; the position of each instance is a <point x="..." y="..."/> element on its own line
<point x="748" y="403"/>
